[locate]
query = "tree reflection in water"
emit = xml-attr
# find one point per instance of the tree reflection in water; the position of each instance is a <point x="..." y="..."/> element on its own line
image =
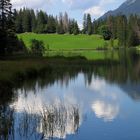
<point x="49" y="122"/>
<point x="6" y="123"/>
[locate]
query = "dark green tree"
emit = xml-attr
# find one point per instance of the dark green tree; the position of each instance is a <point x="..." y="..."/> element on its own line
<point x="75" y="28"/>
<point x="111" y="22"/>
<point x="27" y="26"/>
<point x="51" y="25"/>
<point x="122" y="30"/>
<point x="19" y="21"/>
<point x="7" y="34"/>
<point x="105" y="32"/>
<point x="89" y="25"/>
<point x="37" y="47"/>
<point x="33" y="20"/>
<point x="60" y="26"/>
<point x="42" y="18"/>
<point x="5" y="11"/>
<point x="85" y="24"/>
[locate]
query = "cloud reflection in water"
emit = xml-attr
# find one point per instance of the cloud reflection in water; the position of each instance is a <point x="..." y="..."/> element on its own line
<point x="60" y="109"/>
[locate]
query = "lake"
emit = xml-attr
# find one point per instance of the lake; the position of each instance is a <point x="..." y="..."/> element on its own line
<point x="100" y="102"/>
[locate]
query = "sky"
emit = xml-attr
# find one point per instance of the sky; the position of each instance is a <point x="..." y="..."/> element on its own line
<point x="74" y="8"/>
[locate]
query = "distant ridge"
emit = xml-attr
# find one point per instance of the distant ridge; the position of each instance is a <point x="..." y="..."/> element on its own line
<point x="127" y="8"/>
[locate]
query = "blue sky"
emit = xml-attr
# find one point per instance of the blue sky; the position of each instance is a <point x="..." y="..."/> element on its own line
<point x="75" y="8"/>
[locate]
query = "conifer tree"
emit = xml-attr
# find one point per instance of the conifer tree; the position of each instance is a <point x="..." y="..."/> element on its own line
<point x="75" y="28"/>
<point x="6" y="25"/>
<point x="89" y="25"/>
<point x="122" y="31"/>
<point x="85" y="24"/>
<point x="5" y="11"/>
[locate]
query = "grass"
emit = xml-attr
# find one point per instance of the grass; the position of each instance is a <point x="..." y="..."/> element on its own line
<point x="65" y="42"/>
<point x="138" y="48"/>
<point x="70" y="45"/>
<point x="89" y="55"/>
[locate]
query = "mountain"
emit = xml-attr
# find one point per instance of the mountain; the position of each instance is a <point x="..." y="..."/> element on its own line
<point x="127" y="8"/>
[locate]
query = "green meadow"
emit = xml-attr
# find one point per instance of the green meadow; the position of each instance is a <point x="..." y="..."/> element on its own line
<point x="65" y="42"/>
<point x="71" y="45"/>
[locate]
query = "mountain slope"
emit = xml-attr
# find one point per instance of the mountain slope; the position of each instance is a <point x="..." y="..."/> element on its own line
<point x="127" y="8"/>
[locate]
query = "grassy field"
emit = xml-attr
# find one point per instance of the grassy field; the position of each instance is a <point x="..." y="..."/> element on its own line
<point x="65" y="42"/>
<point x="70" y="45"/>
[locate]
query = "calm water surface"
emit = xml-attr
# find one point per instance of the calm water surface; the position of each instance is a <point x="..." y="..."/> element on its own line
<point x="101" y="104"/>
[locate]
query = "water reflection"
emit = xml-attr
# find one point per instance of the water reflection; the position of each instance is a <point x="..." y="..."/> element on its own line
<point x="56" y="111"/>
<point x="105" y="110"/>
<point x="97" y="99"/>
<point x="50" y="122"/>
<point x="41" y="117"/>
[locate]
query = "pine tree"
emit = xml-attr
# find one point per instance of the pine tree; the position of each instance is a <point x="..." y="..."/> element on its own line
<point x="41" y="21"/>
<point x="112" y="26"/>
<point x="51" y="25"/>
<point x="89" y="25"/>
<point x="75" y="28"/>
<point x="133" y="28"/>
<point x="122" y="31"/>
<point x="26" y="20"/>
<point x="71" y="26"/>
<point x="5" y="10"/>
<point x="85" y="24"/>
<point x="6" y="25"/>
<point x="19" y="21"/>
<point x="33" y="20"/>
<point x="66" y="22"/>
<point x="95" y="26"/>
<point x="60" y="27"/>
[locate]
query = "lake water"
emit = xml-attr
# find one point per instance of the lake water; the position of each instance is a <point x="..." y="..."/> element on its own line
<point x="101" y="102"/>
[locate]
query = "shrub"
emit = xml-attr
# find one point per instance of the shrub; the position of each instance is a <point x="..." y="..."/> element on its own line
<point x="105" y="32"/>
<point x="37" y="47"/>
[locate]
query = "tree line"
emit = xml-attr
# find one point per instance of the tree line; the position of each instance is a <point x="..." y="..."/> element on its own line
<point x="125" y="29"/>
<point x="28" y="20"/>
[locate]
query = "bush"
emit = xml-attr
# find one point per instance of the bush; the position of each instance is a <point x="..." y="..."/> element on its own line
<point x="105" y="32"/>
<point x="37" y="47"/>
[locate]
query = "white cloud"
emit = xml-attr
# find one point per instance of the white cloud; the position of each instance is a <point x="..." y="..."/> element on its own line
<point x="80" y="4"/>
<point x="95" y="11"/>
<point x="97" y="84"/>
<point x="80" y="26"/>
<point x="101" y="87"/>
<point x="95" y="7"/>
<point x="105" y="110"/>
<point x="99" y="9"/>
<point x="37" y="4"/>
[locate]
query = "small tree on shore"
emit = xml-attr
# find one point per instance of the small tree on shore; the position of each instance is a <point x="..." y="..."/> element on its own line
<point x="105" y="32"/>
<point x="37" y="47"/>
